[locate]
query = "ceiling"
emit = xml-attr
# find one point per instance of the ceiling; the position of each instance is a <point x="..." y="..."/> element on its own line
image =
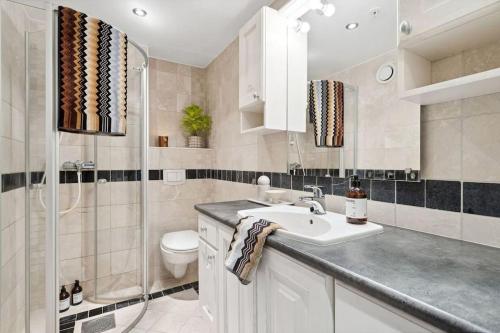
<point x="194" y="32"/>
<point x="332" y="47"/>
<point x="191" y="32"/>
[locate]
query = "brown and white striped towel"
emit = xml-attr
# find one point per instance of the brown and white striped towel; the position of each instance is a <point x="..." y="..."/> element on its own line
<point x="246" y="247"/>
<point x="326" y="112"/>
<point x="92" y="75"/>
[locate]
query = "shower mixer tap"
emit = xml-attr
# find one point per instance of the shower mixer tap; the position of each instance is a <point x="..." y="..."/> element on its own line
<point x="78" y="165"/>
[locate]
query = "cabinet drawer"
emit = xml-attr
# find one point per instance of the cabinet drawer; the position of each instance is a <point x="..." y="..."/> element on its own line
<point x="207" y="230"/>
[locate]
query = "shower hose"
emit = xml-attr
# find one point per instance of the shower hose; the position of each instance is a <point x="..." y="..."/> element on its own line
<point x="75" y="204"/>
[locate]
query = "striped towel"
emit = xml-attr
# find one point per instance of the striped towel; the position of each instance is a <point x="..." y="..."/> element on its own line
<point x="326" y="112"/>
<point x="246" y="246"/>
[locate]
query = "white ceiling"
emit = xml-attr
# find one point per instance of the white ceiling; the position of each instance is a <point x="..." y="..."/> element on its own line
<point x="194" y="32"/>
<point x="191" y="32"/>
<point x="333" y="48"/>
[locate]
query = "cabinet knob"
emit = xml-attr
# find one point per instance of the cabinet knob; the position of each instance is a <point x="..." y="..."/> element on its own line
<point x="405" y="27"/>
<point x="203" y="229"/>
<point x="255" y="96"/>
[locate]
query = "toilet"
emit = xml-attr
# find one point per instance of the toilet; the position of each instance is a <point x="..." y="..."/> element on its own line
<point x="178" y="249"/>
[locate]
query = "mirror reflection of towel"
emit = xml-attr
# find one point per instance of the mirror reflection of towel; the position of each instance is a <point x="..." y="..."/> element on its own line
<point x="326" y="112"/>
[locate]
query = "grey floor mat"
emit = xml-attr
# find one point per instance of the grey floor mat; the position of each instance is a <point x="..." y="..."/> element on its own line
<point x="99" y="325"/>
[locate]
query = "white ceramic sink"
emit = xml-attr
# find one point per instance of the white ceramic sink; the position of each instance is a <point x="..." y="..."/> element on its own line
<point x="302" y="225"/>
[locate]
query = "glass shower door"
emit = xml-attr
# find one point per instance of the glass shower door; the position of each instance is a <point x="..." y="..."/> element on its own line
<point x="120" y="227"/>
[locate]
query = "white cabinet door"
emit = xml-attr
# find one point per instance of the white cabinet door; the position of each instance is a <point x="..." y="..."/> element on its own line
<point x="424" y="15"/>
<point x="250" y="62"/>
<point x="357" y="313"/>
<point x="291" y="297"/>
<point x="207" y="268"/>
<point x="237" y="301"/>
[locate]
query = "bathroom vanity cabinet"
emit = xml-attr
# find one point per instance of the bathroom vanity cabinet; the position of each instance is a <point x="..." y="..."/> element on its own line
<point x="285" y="296"/>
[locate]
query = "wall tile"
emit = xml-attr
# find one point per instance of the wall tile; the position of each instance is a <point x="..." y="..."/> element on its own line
<point x="481" y="148"/>
<point x="410" y="193"/>
<point x="481" y="199"/>
<point x="431" y="221"/>
<point x="443" y="195"/>
<point x="383" y="190"/>
<point x="481" y="229"/>
<point x="442" y="149"/>
<point x="381" y="212"/>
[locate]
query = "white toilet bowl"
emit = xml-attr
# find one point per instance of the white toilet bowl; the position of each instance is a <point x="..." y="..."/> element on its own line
<point x="178" y="249"/>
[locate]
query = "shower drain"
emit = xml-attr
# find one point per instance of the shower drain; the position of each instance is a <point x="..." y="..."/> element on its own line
<point x="99" y="325"/>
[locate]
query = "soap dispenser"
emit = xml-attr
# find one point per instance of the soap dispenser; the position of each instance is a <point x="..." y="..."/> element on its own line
<point x="356" y="203"/>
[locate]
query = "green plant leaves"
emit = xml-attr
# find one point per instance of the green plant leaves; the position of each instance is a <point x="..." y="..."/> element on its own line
<point x="195" y="122"/>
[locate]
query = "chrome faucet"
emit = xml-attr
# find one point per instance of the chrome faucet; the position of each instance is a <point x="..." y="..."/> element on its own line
<point x="316" y="201"/>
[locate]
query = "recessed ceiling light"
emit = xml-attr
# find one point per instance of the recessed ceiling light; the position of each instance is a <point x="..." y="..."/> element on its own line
<point x="352" y="26"/>
<point x="139" y="12"/>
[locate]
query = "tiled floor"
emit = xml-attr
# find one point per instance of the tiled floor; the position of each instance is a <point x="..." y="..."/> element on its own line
<point x="176" y="313"/>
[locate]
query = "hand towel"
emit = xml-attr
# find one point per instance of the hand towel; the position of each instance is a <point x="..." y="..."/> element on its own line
<point x="92" y="77"/>
<point x="246" y="247"/>
<point x="326" y="112"/>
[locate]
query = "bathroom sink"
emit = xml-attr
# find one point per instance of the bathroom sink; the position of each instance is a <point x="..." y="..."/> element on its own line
<point x="302" y="225"/>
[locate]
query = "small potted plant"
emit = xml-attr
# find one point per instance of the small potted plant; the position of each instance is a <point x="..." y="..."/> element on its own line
<point x="197" y="125"/>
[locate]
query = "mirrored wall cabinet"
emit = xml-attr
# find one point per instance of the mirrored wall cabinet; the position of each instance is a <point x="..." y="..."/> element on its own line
<point x="265" y="85"/>
<point x="440" y="46"/>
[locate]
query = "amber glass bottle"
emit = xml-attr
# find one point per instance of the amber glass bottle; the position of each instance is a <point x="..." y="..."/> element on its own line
<point x="76" y="294"/>
<point x="63" y="300"/>
<point x="355" y="203"/>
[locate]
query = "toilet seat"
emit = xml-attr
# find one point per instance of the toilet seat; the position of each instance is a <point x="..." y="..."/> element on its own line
<point x="180" y="241"/>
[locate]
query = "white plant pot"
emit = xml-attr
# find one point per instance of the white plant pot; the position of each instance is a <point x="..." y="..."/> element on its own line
<point x="196" y="142"/>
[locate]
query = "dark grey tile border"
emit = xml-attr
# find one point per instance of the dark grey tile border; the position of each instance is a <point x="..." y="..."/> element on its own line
<point x="410" y="193"/>
<point x="443" y="195"/>
<point x="68" y="322"/>
<point x="383" y="190"/>
<point x="481" y="199"/>
<point x="13" y="181"/>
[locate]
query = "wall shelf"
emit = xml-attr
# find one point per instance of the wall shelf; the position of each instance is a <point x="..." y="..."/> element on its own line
<point x="418" y="54"/>
<point x="478" y="84"/>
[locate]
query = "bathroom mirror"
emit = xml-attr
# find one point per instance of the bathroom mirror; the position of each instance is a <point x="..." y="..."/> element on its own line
<point x="308" y="157"/>
<point x="381" y="132"/>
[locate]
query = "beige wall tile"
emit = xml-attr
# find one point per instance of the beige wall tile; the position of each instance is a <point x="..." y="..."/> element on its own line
<point x="481" y="229"/>
<point x="437" y="222"/>
<point x="481" y="148"/>
<point x="447" y="68"/>
<point x="381" y="212"/>
<point x="442" y="149"/>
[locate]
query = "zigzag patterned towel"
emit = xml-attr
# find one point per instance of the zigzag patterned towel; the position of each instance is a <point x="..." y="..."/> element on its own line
<point x="326" y="112"/>
<point x="92" y="58"/>
<point x="246" y="247"/>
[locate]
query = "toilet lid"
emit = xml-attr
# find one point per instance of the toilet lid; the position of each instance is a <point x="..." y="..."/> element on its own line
<point x="180" y="240"/>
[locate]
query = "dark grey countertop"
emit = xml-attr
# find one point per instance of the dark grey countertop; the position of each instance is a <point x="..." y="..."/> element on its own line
<point x="450" y="284"/>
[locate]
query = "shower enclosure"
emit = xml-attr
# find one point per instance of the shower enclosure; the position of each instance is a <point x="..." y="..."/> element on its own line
<point x="73" y="206"/>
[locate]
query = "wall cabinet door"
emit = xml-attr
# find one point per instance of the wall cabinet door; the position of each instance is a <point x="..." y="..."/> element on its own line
<point x="292" y="298"/>
<point x="424" y="15"/>
<point x="237" y="306"/>
<point x="250" y="65"/>
<point x="208" y="277"/>
<point x="359" y="313"/>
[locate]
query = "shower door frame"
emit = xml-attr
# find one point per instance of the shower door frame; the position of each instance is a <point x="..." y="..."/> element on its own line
<point x="52" y="172"/>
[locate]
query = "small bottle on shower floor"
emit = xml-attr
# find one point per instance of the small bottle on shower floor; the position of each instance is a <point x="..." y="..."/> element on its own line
<point x="355" y="203"/>
<point x="76" y="294"/>
<point x="63" y="300"/>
